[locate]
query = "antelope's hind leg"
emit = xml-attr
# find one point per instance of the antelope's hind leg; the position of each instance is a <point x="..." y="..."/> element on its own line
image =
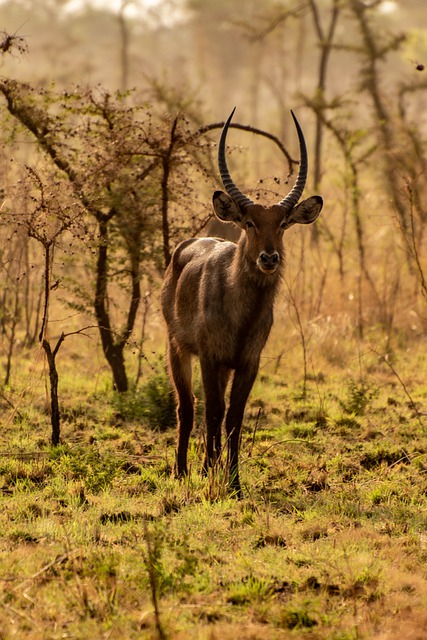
<point x="179" y="362"/>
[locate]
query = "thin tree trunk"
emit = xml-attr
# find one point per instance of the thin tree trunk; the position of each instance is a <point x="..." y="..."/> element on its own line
<point x="124" y="47"/>
<point x="166" y="163"/>
<point x="12" y="337"/>
<point x="53" y="379"/>
<point x="46" y="276"/>
<point x="325" y="43"/>
<point x="383" y="115"/>
<point x="147" y="302"/>
<point x="113" y="352"/>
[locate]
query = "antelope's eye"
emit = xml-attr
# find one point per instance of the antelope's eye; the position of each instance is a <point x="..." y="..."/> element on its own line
<point x="284" y="224"/>
<point x="249" y="224"/>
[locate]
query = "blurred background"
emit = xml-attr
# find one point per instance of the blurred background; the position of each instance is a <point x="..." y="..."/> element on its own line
<point x="352" y="70"/>
<point x="258" y="55"/>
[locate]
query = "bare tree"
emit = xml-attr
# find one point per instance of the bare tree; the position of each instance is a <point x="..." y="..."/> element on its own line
<point x="395" y="152"/>
<point x="124" y="32"/>
<point x="325" y="38"/>
<point x="45" y="216"/>
<point x="99" y="178"/>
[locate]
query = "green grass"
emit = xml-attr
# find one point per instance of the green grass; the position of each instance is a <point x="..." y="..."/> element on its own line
<point x="97" y="539"/>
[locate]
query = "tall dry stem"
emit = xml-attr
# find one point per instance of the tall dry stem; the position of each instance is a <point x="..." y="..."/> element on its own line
<point x="150" y="565"/>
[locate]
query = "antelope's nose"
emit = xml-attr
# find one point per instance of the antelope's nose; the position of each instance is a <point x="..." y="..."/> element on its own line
<point x="268" y="261"/>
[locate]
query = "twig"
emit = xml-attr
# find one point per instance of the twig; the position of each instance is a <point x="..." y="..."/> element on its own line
<point x="46" y="567"/>
<point x="9" y="402"/>
<point x="255" y="130"/>
<point x="403" y="385"/>
<point x="299" y="327"/>
<point x="25" y="455"/>
<point x="287" y="441"/>
<point x="81" y="331"/>
<point x="254" y="433"/>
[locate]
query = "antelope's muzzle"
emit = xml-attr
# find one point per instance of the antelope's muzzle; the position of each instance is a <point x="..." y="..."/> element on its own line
<point x="268" y="262"/>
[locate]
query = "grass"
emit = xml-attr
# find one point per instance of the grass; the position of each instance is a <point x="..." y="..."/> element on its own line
<point x="97" y="539"/>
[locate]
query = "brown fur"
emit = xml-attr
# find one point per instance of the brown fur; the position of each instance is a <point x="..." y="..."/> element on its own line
<point x="217" y="300"/>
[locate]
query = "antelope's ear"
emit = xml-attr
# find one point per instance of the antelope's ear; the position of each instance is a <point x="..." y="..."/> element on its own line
<point x="225" y="208"/>
<point x="306" y="211"/>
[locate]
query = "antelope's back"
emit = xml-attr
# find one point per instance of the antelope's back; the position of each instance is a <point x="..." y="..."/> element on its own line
<point x="193" y="287"/>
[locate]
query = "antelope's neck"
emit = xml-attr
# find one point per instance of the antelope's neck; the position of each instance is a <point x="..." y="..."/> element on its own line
<point x="255" y="291"/>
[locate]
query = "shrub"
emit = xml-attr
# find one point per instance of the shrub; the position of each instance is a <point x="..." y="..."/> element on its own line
<point x="153" y="403"/>
<point x="359" y="395"/>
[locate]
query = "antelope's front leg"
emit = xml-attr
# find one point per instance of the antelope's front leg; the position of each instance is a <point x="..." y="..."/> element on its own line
<point x="215" y="379"/>
<point x="244" y="379"/>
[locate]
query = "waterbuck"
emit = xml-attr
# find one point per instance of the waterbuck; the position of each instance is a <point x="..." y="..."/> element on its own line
<point x="217" y="301"/>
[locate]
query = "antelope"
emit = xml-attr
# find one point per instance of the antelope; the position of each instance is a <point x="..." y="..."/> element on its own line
<point x="217" y="301"/>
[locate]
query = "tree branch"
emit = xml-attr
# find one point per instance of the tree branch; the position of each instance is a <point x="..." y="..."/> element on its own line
<point x="260" y="132"/>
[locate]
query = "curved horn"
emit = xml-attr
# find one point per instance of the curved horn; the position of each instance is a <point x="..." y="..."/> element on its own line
<point x="235" y="193"/>
<point x="295" y="194"/>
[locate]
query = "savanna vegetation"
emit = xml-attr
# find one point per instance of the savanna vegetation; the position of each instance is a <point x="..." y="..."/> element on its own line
<point x="110" y="120"/>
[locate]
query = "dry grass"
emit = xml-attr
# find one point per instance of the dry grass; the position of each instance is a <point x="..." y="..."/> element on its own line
<point x="329" y="542"/>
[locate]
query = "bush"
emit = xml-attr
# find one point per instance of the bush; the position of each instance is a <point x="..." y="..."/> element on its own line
<point x="153" y="403"/>
<point x="359" y="396"/>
